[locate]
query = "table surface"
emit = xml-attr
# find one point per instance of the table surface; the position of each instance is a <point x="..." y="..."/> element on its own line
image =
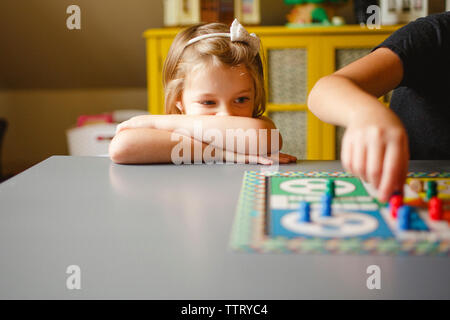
<point x="163" y="232"/>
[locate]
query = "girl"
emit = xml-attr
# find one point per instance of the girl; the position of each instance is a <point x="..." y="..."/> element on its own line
<point x="213" y="78"/>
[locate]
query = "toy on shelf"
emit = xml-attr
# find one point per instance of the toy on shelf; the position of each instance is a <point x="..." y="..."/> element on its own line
<point x="181" y="12"/>
<point x="248" y="11"/>
<point x="402" y="11"/>
<point x="314" y="13"/>
<point x="217" y="11"/>
<point x="190" y="12"/>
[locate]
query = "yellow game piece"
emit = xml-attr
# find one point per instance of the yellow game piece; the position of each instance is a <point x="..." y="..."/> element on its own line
<point x="416" y="185"/>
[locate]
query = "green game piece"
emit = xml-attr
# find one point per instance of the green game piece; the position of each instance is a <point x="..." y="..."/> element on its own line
<point x="330" y="188"/>
<point x="431" y="189"/>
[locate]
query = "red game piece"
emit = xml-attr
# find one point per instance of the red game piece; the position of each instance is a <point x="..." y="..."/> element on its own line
<point x="435" y="208"/>
<point x="395" y="202"/>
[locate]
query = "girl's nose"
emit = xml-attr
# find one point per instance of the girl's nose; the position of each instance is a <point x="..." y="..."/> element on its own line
<point x="224" y="110"/>
<point x="222" y="113"/>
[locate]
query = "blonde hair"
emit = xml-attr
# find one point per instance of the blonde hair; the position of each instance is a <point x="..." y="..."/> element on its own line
<point x="216" y="50"/>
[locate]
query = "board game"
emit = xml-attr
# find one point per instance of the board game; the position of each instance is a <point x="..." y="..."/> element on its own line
<point x="285" y="212"/>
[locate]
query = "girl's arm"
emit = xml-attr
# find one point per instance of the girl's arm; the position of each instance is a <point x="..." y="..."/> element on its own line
<point x="144" y="145"/>
<point x="141" y="145"/>
<point x="375" y="145"/>
<point x="210" y="123"/>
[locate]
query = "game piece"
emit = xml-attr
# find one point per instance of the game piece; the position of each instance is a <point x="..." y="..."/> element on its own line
<point x="394" y="203"/>
<point x="304" y="212"/>
<point x="416" y="185"/>
<point x="431" y="189"/>
<point x="330" y="188"/>
<point x="326" y="205"/>
<point x="435" y="208"/>
<point x="403" y="217"/>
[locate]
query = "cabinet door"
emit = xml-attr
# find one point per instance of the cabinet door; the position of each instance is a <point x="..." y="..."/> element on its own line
<point x="290" y="74"/>
<point x="157" y="49"/>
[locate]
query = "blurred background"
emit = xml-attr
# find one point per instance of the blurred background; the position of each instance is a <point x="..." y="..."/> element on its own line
<point x="50" y="75"/>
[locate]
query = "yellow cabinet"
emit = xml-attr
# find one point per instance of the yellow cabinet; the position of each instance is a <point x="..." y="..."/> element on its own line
<point x="294" y="60"/>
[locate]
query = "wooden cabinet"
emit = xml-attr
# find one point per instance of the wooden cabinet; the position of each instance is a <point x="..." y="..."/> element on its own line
<point x="294" y="60"/>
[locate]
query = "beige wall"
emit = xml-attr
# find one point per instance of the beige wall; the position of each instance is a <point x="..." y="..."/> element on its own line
<point x="38" y="119"/>
<point x="50" y="75"/>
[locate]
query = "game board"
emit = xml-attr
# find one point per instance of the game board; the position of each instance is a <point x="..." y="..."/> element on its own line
<point x="267" y="218"/>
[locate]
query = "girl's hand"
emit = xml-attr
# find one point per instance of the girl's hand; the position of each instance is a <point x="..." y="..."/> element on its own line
<point x="142" y="121"/>
<point x="375" y="148"/>
<point x="250" y="159"/>
<point x="255" y="159"/>
<point x="284" y="158"/>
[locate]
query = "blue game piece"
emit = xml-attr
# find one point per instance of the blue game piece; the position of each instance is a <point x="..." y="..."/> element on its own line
<point x="403" y="217"/>
<point x="326" y="205"/>
<point x="304" y="212"/>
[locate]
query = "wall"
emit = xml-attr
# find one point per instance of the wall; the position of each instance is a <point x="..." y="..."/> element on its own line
<point x="38" y="119"/>
<point x="49" y="75"/>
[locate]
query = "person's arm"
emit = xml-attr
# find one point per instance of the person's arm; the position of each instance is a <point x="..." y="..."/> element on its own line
<point x="375" y="144"/>
<point x="144" y="145"/>
<point x="219" y="124"/>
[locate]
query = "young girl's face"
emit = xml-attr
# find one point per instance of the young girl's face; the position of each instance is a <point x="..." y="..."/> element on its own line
<point x="218" y="90"/>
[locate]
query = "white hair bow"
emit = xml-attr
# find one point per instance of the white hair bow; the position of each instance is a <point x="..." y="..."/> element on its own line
<point x="237" y="33"/>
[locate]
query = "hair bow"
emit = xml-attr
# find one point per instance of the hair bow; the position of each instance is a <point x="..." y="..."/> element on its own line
<point x="237" y="33"/>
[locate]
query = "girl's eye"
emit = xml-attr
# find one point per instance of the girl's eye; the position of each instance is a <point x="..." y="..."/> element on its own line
<point x="242" y="99"/>
<point x="208" y="102"/>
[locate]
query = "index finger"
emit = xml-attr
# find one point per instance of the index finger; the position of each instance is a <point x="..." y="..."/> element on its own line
<point x="392" y="169"/>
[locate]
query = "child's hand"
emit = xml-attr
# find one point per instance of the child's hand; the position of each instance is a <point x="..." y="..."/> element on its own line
<point x="245" y="158"/>
<point x="375" y="148"/>
<point x="142" y="121"/>
<point x="268" y="160"/>
<point x="284" y="158"/>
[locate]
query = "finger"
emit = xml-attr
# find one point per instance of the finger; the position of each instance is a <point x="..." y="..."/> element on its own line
<point x="359" y="159"/>
<point x="346" y="152"/>
<point x="403" y="165"/>
<point x="284" y="159"/>
<point x="276" y="157"/>
<point x="118" y="128"/>
<point x="288" y="155"/>
<point x="289" y="158"/>
<point x="404" y="172"/>
<point x="266" y="161"/>
<point x="259" y="160"/>
<point x="122" y="126"/>
<point x="392" y="164"/>
<point x="375" y="156"/>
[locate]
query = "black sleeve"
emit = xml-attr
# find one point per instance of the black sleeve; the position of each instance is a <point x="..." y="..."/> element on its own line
<point x="423" y="46"/>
